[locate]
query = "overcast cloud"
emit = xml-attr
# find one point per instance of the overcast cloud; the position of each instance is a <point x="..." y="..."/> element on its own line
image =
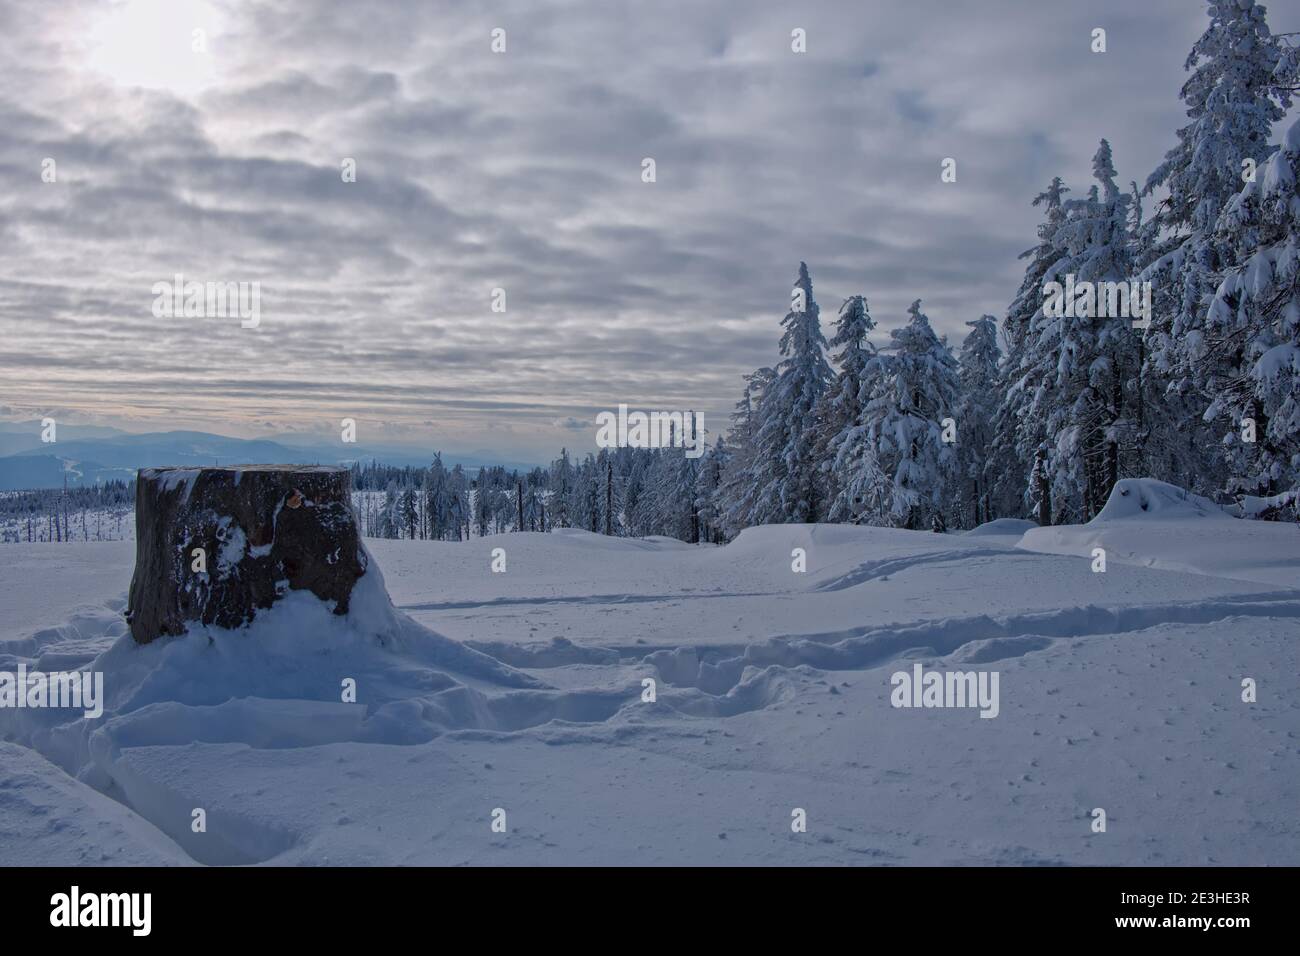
<point x="523" y="170"/>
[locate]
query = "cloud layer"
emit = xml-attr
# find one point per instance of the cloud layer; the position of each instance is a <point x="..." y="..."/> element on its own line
<point x="522" y="170"/>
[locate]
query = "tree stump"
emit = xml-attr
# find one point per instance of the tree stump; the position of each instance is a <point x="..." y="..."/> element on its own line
<point x="215" y="545"/>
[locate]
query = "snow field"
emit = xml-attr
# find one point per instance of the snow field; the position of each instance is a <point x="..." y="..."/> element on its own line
<point x="523" y="691"/>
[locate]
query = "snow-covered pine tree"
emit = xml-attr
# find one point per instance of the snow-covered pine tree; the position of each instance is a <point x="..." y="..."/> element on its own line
<point x="609" y="495"/>
<point x="534" y="500"/>
<point x="1084" y="365"/>
<point x="435" y="499"/>
<point x="650" y="512"/>
<point x="674" y="495"/>
<point x="1253" y="326"/>
<point x="1016" y="437"/>
<point x="457" y="510"/>
<point x="905" y="464"/>
<point x="737" y="492"/>
<point x="841" y="405"/>
<point x="865" y="490"/>
<point x="1237" y="90"/>
<point x="482" y="505"/>
<point x="708" y="486"/>
<point x="585" y="507"/>
<point x="685" y="522"/>
<point x="1153" y="455"/>
<point x="389" y="521"/>
<point x="561" y="486"/>
<point x="784" y="469"/>
<point x="976" y="408"/>
<point x="638" y="494"/>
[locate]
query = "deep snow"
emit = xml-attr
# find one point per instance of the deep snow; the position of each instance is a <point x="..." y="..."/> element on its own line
<point x="523" y="691"/>
<point x="1157" y="525"/>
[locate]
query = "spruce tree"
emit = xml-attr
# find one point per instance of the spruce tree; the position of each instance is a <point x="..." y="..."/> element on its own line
<point x="737" y="492"/>
<point x="1017" y="437"/>
<point x="841" y="406"/>
<point x="976" y="408"/>
<point x="784" y="470"/>
<point x="1237" y="90"/>
<point x="1253" y="327"/>
<point x="1081" y="364"/>
<point x="905" y="463"/>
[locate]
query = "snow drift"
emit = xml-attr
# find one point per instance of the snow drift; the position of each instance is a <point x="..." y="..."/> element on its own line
<point x="1158" y="525"/>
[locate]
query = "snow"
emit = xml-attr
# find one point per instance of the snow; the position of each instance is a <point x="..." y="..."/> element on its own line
<point x="523" y="691"/>
<point x="1150" y="499"/>
<point x="1253" y="505"/>
<point x="49" y="819"/>
<point x="172" y="478"/>
<point x="1156" y="525"/>
<point x="234" y="545"/>
<point x="1002" y="527"/>
<point x="1278" y="361"/>
<point x="1292" y="141"/>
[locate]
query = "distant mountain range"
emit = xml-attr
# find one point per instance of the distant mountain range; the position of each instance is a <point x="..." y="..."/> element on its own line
<point x="89" y="454"/>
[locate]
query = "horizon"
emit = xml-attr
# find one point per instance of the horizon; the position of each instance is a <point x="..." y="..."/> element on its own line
<point x="394" y="454"/>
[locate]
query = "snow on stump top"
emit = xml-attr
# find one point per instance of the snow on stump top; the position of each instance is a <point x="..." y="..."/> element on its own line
<point x="213" y="545"/>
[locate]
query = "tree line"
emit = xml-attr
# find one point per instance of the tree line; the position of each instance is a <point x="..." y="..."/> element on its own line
<point x="1040" y="415"/>
<point x="101" y="512"/>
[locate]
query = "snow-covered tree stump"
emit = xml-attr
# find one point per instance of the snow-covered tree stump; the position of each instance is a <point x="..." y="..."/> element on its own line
<point x="215" y="545"/>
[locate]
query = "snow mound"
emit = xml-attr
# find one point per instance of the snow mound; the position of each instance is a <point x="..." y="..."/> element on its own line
<point x="1157" y="525"/>
<point x="282" y="680"/>
<point x="1002" y="527"/>
<point x="1148" y="498"/>
<point x="778" y="539"/>
<point x="297" y="677"/>
<point x="590" y="539"/>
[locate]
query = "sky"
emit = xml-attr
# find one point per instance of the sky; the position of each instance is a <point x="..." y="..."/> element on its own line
<point x="219" y="155"/>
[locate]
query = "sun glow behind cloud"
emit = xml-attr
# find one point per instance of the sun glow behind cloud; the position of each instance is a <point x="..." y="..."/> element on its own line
<point x="156" y="44"/>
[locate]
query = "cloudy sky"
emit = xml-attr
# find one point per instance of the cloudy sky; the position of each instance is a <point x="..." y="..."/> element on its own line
<point x="522" y="170"/>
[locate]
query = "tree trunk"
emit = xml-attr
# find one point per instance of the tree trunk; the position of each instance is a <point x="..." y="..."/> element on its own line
<point x="1044" y="490"/>
<point x="215" y="545"/>
<point x="1112" y="470"/>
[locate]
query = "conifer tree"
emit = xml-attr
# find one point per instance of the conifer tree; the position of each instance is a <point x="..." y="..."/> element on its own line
<point x="906" y="464"/>
<point x="976" y="409"/>
<point x="1253" y="327"/>
<point x="784" y="469"/>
